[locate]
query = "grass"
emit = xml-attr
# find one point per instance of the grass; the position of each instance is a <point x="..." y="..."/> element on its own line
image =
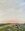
<point x="8" y="27"/>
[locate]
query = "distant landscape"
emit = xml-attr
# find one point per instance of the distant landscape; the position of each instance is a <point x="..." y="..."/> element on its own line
<point x="12" y="27"/>
<point x="12" y="9"/>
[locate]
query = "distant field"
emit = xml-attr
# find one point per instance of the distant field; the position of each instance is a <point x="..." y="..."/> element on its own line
<point x="12" y="27"/>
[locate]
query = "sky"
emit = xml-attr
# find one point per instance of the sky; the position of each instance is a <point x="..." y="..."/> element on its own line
<point x="12" y="9"/>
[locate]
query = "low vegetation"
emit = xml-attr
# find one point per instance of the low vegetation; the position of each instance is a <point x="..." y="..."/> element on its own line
<point x="9" y="27"/>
